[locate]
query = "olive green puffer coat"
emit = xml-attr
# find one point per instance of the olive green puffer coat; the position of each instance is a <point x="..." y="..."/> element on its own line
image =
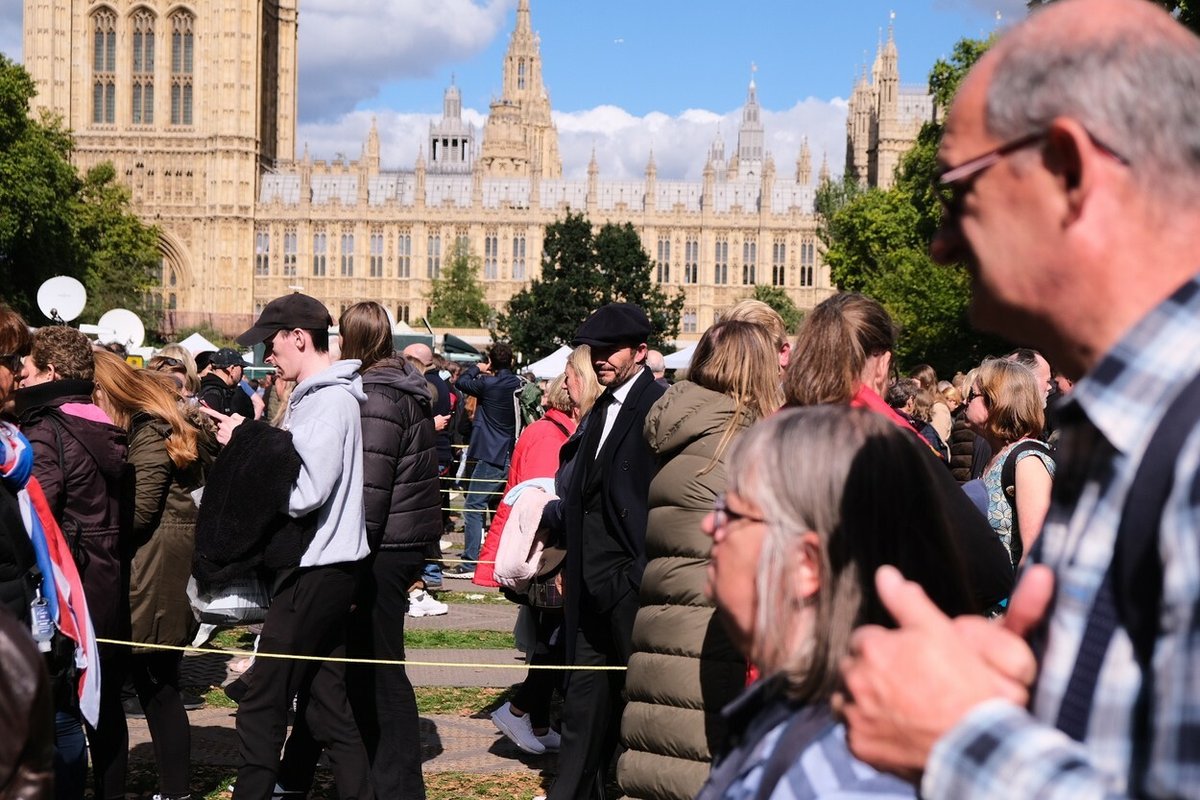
<point x="684" y="669"/>
<point x="165" y="529"/>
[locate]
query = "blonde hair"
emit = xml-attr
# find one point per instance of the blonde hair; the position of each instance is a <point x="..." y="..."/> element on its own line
<point x="557" y="396"/>
<point x="580" y="360"/>
<point x="181" y="353"/>
<point x="1013" y="400"/>
<point x="737" y="359"/>
<point x="123" y="391"/>
<point x="759" y="313"/>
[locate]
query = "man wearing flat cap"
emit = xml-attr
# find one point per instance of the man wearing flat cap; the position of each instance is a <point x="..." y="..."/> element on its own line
<point x="601" y="517"/>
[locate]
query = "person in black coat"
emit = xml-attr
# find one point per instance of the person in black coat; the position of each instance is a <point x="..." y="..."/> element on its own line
<point x="601" y="517"/>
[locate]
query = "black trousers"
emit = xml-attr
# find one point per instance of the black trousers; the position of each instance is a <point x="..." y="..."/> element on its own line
<point x="307" y="617"/>
<point x="594" y="700"/>
<point x="156" y="679"/>
<point x="109" y="740"/>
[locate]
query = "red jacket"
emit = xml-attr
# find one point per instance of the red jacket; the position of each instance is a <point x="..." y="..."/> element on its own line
<point x="535" y="456"/>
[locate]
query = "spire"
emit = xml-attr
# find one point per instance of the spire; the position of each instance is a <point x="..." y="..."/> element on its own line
<point x="593" y="167"/>
<point x="804" y="164"/>
<point x="524" y="26"/>
<point x="751" y="142"/>
<point x="823" y="176"/>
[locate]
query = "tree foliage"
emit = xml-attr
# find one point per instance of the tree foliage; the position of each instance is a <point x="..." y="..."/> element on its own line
<point x="52" y="222"/>
<point x="582" y="270"/>
<point x="778" y="299"/>
<point x="456" y="298"/>
<point x="877" y="243"/>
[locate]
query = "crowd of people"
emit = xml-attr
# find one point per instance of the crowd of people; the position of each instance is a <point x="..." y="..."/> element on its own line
<point x="790" y="572"/>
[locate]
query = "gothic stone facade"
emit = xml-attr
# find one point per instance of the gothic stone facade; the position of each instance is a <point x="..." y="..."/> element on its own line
<point x="195" y="105"/>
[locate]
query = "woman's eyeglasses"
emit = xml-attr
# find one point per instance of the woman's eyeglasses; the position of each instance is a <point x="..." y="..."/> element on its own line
<point x="723" y="515"/>
<point x="167" y="361"/>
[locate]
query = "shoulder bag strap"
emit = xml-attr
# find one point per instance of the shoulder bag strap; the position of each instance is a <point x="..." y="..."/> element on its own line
<point x="1008" y="486"/>
<point x="805" y="727"/>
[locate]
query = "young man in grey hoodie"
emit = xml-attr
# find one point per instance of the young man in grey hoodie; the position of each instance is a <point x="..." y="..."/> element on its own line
<point x="310" y="605"/>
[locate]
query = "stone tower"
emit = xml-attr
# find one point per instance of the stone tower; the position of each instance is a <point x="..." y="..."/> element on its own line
<point x="190" y="104"/>
<point x="883" y="118"/>
<point x="750" y="142"/>
<point x="451" y="141"/>
<point x="519" y="137"/>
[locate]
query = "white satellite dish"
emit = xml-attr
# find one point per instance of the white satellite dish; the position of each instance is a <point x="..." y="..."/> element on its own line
<point x="391" y="319"/>
<point x="61" y="298"/>
<point x="126" y="326"/>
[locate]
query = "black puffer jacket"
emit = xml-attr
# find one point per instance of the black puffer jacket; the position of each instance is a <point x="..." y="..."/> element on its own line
<point x="400" y="464"/>
<point x="962" y="446"/>
<point x="80" y="463"/>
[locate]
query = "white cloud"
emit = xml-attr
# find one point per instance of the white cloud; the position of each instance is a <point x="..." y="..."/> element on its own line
<point x="349" y="50"/>
<point x="622" y="141"/>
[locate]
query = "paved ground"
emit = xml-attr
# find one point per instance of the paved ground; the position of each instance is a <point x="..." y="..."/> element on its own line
<point x="448" y="743"/>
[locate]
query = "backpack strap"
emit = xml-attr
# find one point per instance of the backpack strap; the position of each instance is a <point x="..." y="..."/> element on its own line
<point x="1130" y="595"/>
<point x="1008" y="484"/>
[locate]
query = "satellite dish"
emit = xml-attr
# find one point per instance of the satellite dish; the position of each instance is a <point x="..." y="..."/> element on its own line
<point x="61" y="298"/>
<point x="126" y="326"/>
<point x="391" y="319"/>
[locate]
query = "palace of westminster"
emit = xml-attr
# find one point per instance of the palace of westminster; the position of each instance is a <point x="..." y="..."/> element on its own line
<point x="194" y="103"/>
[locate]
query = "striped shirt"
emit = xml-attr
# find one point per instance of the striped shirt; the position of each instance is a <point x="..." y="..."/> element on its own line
<point x="1000" y="750"/>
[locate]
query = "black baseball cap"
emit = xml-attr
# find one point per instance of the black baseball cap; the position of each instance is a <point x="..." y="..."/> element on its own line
<point x="227" y="357"/>
<point x="614" y="325"/>
<point x="287" y="313"/>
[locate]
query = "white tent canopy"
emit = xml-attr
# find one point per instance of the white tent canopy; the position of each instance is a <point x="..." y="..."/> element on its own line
<point x="552" y="365"/>
<point x="680" y="359"/>
<point x="196" y="344"/>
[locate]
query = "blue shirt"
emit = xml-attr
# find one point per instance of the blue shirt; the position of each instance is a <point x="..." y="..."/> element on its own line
<point x="1000" y="750"/>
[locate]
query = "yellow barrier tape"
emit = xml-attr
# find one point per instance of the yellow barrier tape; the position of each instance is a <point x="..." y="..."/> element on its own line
<point x="380" y="662"/>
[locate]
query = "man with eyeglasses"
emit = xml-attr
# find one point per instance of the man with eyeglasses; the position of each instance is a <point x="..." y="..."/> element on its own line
<point x="221" y="388"/>
<point x="1071" y="183"/>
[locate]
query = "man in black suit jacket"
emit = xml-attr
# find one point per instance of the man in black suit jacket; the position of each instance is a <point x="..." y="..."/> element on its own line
<point x="602" y="518"/>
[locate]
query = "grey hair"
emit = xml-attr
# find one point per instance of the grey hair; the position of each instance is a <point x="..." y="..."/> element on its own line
<point x="868" y="491"/>
<point x="1134" y="89"/>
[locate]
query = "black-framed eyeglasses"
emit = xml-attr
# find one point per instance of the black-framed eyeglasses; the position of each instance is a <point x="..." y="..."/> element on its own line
<point x="951" y="184"/>
<point x="972" y="394"/>
<point x="723" y="515"/>
<point x="12" y="362"/>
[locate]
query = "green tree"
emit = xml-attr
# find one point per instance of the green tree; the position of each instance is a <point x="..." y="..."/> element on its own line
<point x="581" y="271"/>
<point x="37" y="187"/>
<point x="54" y="223"/>
<point x="123" y="252"/>
<point x="778" y="299"/>
<point x="456" y="298"/>
<point x="877" y="242"/>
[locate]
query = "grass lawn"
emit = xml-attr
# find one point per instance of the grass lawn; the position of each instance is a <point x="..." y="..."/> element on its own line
<point x="212" y="783"/>
<point x="421" y="639"/>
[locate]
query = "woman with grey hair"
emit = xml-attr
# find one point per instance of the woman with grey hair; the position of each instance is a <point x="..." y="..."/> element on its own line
<point x="817" y="500"/>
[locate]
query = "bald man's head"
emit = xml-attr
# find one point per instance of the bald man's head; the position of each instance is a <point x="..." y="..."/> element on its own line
<point x="420" y="353"/>
<point x="1123" y="69"/>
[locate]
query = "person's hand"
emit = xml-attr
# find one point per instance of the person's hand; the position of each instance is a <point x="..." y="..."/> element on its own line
<point x="225" y="423"/>
<point x="906" y="688"/>
<point x="259" y="405"/>
<point x="440" y="421"/>
<point x="485" y="367"/>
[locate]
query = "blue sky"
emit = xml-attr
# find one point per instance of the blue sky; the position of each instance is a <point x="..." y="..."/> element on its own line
<point x="626" y="77"/>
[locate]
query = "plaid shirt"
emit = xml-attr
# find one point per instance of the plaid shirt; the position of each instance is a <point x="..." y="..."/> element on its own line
<point x="1000" y="750"/>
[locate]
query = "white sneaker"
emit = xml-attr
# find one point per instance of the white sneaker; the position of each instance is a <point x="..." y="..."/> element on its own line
<point x="517" y="729"/>
<point x="422" y="604"/>
<point x="551" y="740"/>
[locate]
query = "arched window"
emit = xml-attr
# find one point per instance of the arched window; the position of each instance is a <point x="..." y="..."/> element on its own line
<point x="104" y="67"/>
<point x="142" y="68"/>
<point x="521" y="74"/>
<point x="182" y="42"/>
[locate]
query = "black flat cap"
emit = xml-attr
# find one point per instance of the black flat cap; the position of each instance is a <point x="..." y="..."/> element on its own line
<point x="614" y="325"/>
<point x="287" y="313"/>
